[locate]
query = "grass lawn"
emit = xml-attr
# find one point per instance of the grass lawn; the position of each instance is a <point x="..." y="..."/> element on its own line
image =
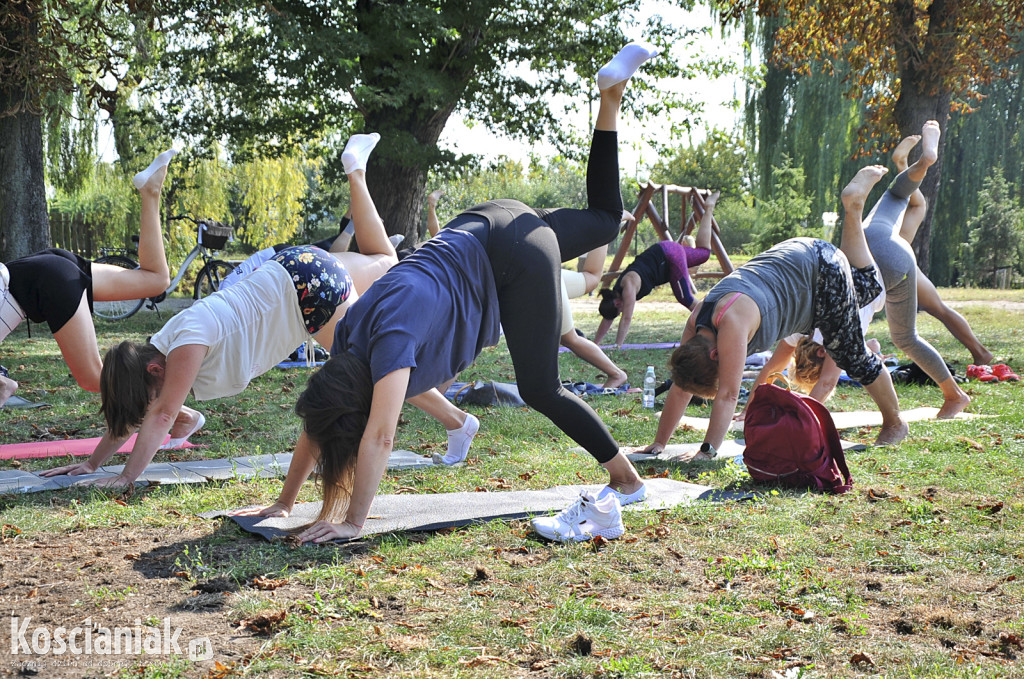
<point x="918" y="572"/>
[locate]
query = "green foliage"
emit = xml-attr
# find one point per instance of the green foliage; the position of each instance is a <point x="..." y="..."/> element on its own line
<point x="719" y="162"/>
<point x="785" y="214"/>
<point x="996" y="233"/>
<point x="271" y="191"/>
<point x="104" y="205"/>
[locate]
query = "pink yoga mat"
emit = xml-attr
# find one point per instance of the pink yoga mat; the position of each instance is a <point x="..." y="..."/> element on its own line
<point x="69" y="447"/>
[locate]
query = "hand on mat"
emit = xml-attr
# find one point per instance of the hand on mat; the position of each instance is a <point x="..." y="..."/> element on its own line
<point x="325" y="531"/>
<point x="277" y="509"/>
<point x="109" y="482"/>
<point x="652" y="449"/>
<point x="71" y="470"/>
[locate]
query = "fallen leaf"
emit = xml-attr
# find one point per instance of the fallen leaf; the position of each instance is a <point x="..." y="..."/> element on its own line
<point x="264" y="623"/>
<point x="267" y="584"/>
<point x="861" y="659"/>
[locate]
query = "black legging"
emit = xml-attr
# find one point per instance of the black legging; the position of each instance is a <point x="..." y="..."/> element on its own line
<point x="526" y="247"/>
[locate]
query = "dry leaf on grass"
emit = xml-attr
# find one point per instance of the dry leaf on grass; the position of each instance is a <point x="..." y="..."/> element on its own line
<point x="267" y="584"/>
<point x="264" y="623"/>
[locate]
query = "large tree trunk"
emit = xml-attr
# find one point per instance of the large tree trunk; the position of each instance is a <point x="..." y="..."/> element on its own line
<point x="24" y="223"/>
<point x="397" y="189"/>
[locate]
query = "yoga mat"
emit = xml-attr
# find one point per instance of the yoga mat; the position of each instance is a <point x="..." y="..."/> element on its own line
<point x="21" y="451"/>
<point x="17" y="402"/>
<point x="298" y="364"/>
<point x="731" y="449"/>
<point x="657" y="345"/>
<point x="390" y="513"/>
<point x="846" y="420"/>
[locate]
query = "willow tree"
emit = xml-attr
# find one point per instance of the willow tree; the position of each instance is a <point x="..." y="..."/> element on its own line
<point x="910" y="60"/>
<point x="269" y="76"/>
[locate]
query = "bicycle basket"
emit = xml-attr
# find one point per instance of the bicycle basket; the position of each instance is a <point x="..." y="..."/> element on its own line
<point x="214" y="235"/>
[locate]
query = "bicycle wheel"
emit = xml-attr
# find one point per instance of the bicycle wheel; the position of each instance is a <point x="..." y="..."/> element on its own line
<point x="210" y="277"/>
<point x="124" y="308"/>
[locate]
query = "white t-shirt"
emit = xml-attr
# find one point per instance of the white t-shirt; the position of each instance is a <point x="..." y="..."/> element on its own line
<point x="574" y="285"/>
<point x="249" y="328"/>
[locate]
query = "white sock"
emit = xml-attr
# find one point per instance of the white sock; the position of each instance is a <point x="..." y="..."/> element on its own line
<point x="179" y="442"/>
<point x="162" y="160"/>
<point x="625" y="63"/>
<point x="460" y="439"/>
<point x="357" y="151"/>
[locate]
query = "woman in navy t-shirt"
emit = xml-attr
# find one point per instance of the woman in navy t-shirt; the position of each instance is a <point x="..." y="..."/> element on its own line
<point x="432" y="314"/>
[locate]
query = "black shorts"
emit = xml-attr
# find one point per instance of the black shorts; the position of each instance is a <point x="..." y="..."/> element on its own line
<point x="48" y="285"/>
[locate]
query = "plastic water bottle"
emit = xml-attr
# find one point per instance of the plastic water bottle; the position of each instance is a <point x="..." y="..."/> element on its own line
<point x="649" y="381"/>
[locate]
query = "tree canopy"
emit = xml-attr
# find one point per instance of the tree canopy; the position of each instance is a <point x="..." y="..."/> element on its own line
<point x="908" y="60"/>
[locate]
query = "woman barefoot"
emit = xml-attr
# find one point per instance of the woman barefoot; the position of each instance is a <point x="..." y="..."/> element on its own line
<point x="797" y="285"/>
<point x="898" y="265"/>
<point x="664" y="262"/>
<point x="59" y="287"/>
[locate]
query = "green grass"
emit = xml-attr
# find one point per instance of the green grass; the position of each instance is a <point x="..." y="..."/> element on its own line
<point x="926" y="580"/>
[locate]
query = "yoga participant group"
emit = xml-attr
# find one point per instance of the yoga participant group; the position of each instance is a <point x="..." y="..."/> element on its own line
<point x="400" y="325"/>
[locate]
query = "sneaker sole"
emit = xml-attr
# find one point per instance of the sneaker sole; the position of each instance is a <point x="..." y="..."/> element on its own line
<point x="606" y="533"/>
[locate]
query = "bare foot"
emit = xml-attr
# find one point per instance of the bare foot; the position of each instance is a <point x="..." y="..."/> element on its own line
<point x="856" y="192"/>
<point x="952" y="406"/>
<point x="902" y="150"/>
<point x="984" y="358"/>
<point x="892" y="434"/>
<point x="7" y="389"/>
<point x="616" y="381"/>
<point x="615" y="92"/>
<point x="930" y="133"/>
<point x="435" y="196"/>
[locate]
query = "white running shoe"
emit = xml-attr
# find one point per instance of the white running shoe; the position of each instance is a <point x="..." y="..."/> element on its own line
<point x="584" y="519"/>
<point x="623" y="498"/>
<point x="179" y="442"/>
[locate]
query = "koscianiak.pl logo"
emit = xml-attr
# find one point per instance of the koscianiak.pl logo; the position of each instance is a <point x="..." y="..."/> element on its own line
<point x="35" y="643"/>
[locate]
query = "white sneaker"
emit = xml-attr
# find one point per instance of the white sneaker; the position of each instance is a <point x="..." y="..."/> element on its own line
<point x="584" y="519"/>
<point x="623" y="498"/>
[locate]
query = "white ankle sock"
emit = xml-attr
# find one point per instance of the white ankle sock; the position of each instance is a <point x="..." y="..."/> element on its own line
<point x="625" y="63"/>
<point x="459" y="441"/>
<point x="162" y="160"/>
<point x="179" y="442"/>
<point x="357" y="151"/>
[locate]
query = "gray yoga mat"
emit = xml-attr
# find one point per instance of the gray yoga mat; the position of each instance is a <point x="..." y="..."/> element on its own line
<point x="17" y="402"/>
<point x="731" y="449"/>
<point x="390" y="513"/>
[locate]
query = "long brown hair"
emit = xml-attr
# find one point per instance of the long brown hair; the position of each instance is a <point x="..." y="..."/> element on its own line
<point x="693" y="370"/>
<point x="125" y="386"/>
<point x="334" y="409"/>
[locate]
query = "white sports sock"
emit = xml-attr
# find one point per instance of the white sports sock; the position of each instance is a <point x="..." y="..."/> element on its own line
<point x="162" y="160"/>
<point x="459" y="441"/>
<point x="625" y="63"/>
<point x="357" y="151"/>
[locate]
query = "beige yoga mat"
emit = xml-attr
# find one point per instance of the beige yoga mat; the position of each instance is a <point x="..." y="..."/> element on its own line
<point x="731" y="448"/>
<point x="844" y="420"/>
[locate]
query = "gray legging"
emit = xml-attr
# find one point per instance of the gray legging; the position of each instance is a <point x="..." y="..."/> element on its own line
<point x="898" y="266"/>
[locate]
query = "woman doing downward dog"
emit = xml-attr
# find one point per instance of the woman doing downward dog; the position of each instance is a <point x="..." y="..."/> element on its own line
<point x="216" y="346"/>
<point x="59" y="287"/>
<point x="664" y="262"/>
<point x="429" y="318"/>
<point x="798" y="285"/>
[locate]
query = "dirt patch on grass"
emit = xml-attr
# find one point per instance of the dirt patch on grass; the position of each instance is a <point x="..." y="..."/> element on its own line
<point x="118" y="578"/>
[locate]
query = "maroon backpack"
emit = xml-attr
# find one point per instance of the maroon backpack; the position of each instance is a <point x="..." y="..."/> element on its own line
<point x="791" y="439"/>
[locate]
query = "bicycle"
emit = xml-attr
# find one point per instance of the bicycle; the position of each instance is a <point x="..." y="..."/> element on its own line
<point x="210" y="235"/>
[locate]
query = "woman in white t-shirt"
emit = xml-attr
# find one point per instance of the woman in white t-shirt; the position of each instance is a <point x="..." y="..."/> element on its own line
<point x="216" y="346"/>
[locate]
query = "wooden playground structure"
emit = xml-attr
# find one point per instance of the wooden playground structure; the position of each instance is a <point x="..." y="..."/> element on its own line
<point x="693" y="209"/>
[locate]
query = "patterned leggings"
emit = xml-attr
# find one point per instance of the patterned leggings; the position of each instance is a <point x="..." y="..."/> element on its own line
<point x="841" y="293"/>
<point x="321" y="283"/>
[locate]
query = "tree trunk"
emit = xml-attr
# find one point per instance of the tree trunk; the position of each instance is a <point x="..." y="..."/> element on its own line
<point x="24" y="223"/>
<point x="397" y="190"/>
